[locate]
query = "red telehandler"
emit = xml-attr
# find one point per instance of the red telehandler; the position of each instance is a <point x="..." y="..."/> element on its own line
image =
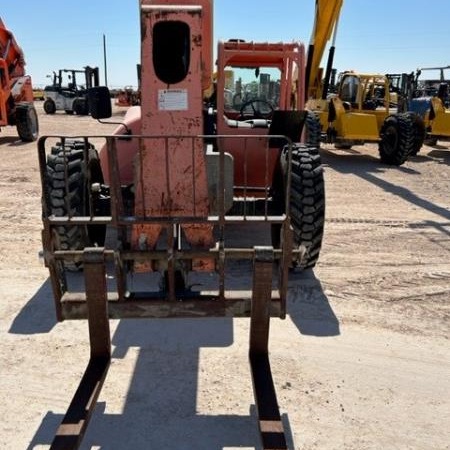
<point x="154" y="218"/>
<point x="16" y="91"/>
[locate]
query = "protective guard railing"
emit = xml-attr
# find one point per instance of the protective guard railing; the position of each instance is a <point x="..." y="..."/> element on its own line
<point x="98" y="301"/>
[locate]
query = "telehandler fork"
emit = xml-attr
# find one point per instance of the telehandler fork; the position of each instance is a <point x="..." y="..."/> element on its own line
<point x="152" y="218"/>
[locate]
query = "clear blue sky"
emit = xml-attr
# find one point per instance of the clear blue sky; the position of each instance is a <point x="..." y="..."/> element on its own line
<point x="373" y="36"/>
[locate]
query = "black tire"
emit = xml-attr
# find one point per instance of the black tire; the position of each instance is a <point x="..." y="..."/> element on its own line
<point x="313" y="129"/>
<point x="307" y="204"/>
<point x="80" y="107"/>
<point x="49" y="106"/>
<point x="419" y="132"/>
<point x="397" y="139"/>
<point x="67" y="194"/>
<point x="69" y="111"/>
<point x="27" y="122"/>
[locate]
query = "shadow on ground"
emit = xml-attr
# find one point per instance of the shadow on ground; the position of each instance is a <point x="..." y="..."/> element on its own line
<point x="160" y="407"/>
<point x="12" y="141"/>
<point x="308" y="306"/>
<point x="366" y="168"/>
<point x="38" y="314"/>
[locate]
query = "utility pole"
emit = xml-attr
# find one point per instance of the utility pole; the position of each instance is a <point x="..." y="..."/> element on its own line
<point x="104" y="60"/>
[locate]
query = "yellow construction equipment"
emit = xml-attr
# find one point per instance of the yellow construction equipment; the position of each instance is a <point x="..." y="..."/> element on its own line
<point x="351" y="116"/>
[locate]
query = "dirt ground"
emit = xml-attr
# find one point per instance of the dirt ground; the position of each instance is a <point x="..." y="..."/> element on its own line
<point x="361" y="362"/>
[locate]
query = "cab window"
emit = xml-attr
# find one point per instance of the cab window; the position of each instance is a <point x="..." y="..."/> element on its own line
<point x="171" y="51"/>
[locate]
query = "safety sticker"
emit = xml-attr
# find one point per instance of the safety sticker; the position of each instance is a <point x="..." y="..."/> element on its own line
<point x="172" y="100"/>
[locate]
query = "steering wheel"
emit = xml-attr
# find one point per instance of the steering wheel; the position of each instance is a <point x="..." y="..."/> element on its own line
<point x="262" y="109"/>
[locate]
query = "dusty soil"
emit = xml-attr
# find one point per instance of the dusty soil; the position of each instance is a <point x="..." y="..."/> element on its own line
<point x="362" y="361"/>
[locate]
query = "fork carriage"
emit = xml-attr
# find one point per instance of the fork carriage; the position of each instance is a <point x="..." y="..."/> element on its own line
<point x="87" y="228"/>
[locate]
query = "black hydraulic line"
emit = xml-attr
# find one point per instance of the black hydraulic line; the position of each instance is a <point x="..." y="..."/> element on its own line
<point x="308" y="68"/>
<point x="326" y="82"/>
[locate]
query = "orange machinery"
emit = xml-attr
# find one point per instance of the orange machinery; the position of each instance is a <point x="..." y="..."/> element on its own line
<point x="16" y="91"/>
<point x="207" y="156"/>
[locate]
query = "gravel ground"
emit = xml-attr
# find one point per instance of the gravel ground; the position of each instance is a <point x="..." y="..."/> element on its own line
<point x="361" y="362"/>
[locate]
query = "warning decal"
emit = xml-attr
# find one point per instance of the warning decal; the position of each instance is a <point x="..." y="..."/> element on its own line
<point x="172" y="100"/>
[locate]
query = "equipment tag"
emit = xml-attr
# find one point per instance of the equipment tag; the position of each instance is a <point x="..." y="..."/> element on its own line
<point x="172" y="100"/>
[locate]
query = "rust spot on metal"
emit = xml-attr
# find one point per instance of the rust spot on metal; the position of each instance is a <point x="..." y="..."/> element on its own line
<point x="195" y="13"/>
<point x="197" y="40"/>
<point x="143" y="29"/>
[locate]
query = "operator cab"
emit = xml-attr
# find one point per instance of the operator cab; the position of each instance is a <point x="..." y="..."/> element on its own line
<point x="250" y="96"/>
